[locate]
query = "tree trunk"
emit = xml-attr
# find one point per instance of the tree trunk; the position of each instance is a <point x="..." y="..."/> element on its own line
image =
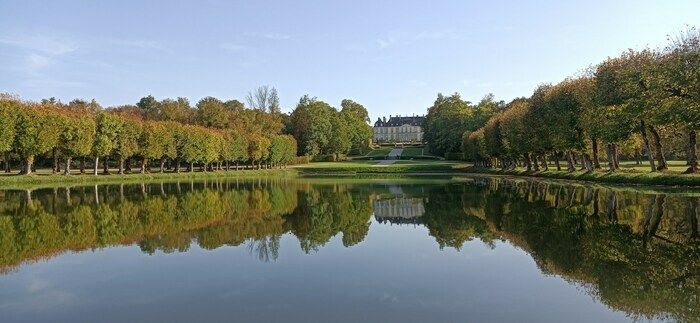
<point x="659" y="149"/>
<point x="570" y="167"/>
<point x="28" y="163"/>
<point x="611" y="160"/>
<point x="645" y="144"/>
<point x="7" y="163"/>
<point x="144" y="161"/>
<point x="637" y="157"/>
<point x="82" y="165"/>
<point x="545" y="166"/>
<point x="68" y="162"/>
<point x="191" y="167"/>
<point x="177" y="165"/>
<point x="56" y="167"/>
<point x="105" y="165"/>
<point x="596" y="161"/>
<point x="162" y="164"/>
<point x="121" y="165"/>
<point x="692" y="152"/>
<point x="587" y="162"/>
<point x="556" y="161"/>
<point x="616" y="156"/>
<point x="95" y="165"/>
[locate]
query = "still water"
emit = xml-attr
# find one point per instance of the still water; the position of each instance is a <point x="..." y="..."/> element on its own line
<point x="482" y="249"/>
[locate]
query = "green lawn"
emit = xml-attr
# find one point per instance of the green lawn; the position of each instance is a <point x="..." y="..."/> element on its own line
<point x="629" y="174"/>
<point x="381" y="152"/>
<point x="44" y="177"/>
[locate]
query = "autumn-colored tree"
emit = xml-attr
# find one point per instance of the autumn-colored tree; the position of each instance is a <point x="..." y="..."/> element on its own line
<point x="9" y="107"/>
<point x="108" y="128"/>
<point x="128" y="140"/>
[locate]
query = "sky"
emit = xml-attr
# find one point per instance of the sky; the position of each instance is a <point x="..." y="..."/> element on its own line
<point x="391" y="56"/>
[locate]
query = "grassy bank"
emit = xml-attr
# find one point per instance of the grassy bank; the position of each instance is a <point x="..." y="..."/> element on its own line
<point x="629" y="174"/>
<point x="45" y="178"/>
<point x="619" y="177"/>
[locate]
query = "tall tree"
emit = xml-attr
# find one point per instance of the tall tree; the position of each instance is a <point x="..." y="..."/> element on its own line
<point x="264" y="98"/>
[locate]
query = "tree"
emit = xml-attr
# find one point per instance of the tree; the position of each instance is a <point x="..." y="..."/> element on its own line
<point x="37" y="132"/>
<point x="152" y="143"/>
<point x="211" y="112"/>
<point x="258" y="148"/>
<point x="446" y="121"/>
<point x="341" y="136"/>
<point x="108" y="127"/>
<point x="357" y="119"/>
<point x="264" y="98"/>
<point x="312" y="126"/>
<point x="77" y="136"/>
<point x="128" y="140"/>
<point x="676" y="81"/>
<point x="176" y="110"/>
<point x="150" y="107"/>
<point x="9" y="107"/>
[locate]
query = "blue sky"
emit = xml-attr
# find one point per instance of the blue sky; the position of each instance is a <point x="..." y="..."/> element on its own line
<point x="391" y="56"/>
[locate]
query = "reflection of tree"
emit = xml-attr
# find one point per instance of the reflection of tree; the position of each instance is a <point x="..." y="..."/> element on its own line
<point x="266" y="248"/>
<point x="627" y="248"/>
<point x="446" y="221"/>
<point x="325" y="211"/>
<point x="635" y="251"/>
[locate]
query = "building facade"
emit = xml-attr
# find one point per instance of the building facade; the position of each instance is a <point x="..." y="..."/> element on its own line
<point x="399" y="129"/>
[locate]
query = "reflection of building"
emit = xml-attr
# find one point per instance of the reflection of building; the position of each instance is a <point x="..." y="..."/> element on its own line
<point x="399" y="210"/>
<point x="399" y="129"/>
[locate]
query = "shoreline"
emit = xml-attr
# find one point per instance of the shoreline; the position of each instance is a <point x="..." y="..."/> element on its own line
<point x="360" y="171"/>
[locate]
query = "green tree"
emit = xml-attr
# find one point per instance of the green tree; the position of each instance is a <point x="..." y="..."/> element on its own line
<point x="211" y="112"/>
<point x="77" y="136"/>
<point x="9" y="108"/>
<point x="150" y="108"/>
<point x="108" y="127"/>
<point x="357" y="119"/>
<point x="127" y="144"/>
<point x="37" y="132"/>
<point x="312" y="126"/>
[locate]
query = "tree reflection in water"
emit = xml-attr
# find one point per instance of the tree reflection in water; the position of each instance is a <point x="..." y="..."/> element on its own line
<point x="637" y="251"/>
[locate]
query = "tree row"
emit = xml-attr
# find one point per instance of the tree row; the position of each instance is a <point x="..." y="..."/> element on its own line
<point x="164" y="134"/>
<point x="641" y="104"/>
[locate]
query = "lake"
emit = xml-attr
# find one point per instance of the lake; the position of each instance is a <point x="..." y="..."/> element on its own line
<point x="477" y="249"/>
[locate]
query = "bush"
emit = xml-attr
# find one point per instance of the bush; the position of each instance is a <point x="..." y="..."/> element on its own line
<point x="454" y="156"/>
<point x="329" y="158"/>
<point x="301" y="160"/>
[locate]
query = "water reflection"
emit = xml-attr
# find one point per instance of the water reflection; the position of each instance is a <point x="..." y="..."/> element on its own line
<point x="636" y="251"/>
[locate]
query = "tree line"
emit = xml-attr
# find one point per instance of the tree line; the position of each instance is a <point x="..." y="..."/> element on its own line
<point x="213" y="135"/>
<point x="642" y="104"/>
<point x="173" y="135"/>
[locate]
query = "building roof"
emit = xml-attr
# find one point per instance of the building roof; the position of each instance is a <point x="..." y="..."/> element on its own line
<point x="400" y="121"/>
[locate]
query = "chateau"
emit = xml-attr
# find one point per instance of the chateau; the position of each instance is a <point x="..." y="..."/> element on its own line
<point x="399" y="129"/>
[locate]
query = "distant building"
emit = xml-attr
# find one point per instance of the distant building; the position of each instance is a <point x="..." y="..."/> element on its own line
<point x="399" y="129"/>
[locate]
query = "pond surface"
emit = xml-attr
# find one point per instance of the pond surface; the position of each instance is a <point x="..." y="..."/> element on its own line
<point x="483" y="249"/>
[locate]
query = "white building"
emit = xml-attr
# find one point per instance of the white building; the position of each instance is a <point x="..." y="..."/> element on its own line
<point x="399" y="129"/>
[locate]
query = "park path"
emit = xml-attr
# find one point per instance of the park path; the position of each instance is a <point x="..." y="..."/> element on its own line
<point x="392" y="157"/>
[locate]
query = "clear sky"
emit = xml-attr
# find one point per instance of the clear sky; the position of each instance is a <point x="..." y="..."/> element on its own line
<point x="391" y="56"/>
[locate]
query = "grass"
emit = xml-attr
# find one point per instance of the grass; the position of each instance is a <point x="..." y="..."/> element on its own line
<point x="381" y="152"/>
<point x="630" y="173"/>
<point x="44" y="177"/>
